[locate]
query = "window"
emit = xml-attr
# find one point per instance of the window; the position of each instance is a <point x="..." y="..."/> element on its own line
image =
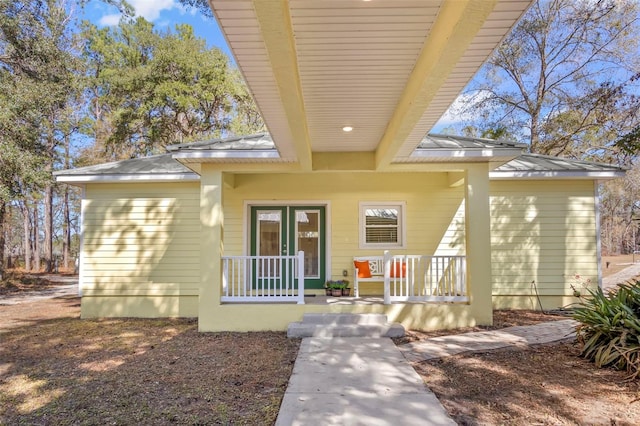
<point x="381" y="225"/>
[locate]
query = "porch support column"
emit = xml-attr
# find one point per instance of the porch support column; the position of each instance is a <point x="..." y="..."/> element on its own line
<point x="211" y="233"/>
<point x="478" y="242"/>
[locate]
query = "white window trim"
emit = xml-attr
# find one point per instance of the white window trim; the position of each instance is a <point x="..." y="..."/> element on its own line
<point x="402" y="224"/>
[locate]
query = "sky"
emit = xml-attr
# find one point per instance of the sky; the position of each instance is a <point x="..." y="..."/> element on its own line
<point x="163" y="14"/>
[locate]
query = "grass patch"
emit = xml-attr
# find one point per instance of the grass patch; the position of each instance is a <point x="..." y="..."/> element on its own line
<point x="68" y="371"/>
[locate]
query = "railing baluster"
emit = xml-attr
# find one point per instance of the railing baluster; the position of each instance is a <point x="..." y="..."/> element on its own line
<point x="249" y="278"/>
<point x="427" y="278"/>
<point x="262" y="278"/>
<point x="283" y="275"/>
<point x="241" y="269"/>
<point x="274" y="278"/>
<point x="267" y="274"/>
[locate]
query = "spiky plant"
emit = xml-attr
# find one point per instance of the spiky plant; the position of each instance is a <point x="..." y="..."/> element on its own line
<point x="609" y="329"/>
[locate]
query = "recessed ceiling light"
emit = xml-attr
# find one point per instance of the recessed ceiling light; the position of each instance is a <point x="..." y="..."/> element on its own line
<point x="347" y="128"/>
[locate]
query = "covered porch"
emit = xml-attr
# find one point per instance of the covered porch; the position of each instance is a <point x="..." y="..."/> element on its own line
<point x="347" y="110"/>
<point x="245" y="291"/>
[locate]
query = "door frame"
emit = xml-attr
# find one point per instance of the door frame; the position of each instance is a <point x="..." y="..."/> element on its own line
<point x="246" y="224"/>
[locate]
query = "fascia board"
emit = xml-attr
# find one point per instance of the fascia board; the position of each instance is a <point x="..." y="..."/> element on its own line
<point x="487" y="153"/>
<point x="248" y="155"/>
<point x="555" y="175"/>
<point x="106" y="178"/>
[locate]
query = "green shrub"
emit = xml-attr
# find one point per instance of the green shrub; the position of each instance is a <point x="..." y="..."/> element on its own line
<point x="339" y="284"/>
<point x="609" y="329"/>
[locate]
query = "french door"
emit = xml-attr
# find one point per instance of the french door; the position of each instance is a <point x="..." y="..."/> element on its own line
<point x="284" y="231"/>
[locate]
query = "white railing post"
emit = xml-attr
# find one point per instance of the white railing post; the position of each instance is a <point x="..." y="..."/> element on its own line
<point x="463" y="277"/>
<point x="300" y="266"/>
<point x="225" y="277"/>
<point x="387" y="277"/>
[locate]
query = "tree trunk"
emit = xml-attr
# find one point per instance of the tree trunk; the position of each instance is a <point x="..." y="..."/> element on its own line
<point x="48" y="200"/>
<point x="48" y="228"/>
<point x="534" y="142"/>
<point x="66" y="220"/>
<point x="3" y="211"/>
<point x="66" y="228"/>
<point x="27" y="235"/>
<point x="36" y="238"/>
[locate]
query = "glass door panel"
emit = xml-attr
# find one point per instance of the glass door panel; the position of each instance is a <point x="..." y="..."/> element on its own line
<point x="285" y="230"/>
<point x="307" y="233"/>
<point x="308" y="240"/>
<point x="269" y="224"/>
<point x="269" y="243"/>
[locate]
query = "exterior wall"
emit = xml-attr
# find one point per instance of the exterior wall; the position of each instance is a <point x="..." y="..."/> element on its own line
<point x="434" y="219"/>
<point x="267" y="317"/>
<point x="141" y="250"/>
<point x="543" y="234"/>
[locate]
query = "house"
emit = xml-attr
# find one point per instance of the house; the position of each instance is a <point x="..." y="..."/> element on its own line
<point x="243" y="232"/>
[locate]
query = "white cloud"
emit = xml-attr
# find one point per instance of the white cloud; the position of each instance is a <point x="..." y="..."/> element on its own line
<point x="109" y="20"/>
<point x="148" y="9"/>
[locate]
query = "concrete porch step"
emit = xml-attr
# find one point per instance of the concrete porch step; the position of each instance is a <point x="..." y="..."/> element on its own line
<point x="362" y="319"/>
<point x="344" y="325"/>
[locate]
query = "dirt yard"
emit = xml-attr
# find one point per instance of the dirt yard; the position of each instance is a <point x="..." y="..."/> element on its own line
<point x="55" y="369"/>
<point x="543" y="385"/>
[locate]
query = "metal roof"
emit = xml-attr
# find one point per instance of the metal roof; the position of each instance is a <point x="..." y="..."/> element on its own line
<point x="154" y="168"/>
<point x="544" y="166"/>
<point x="447" y="142"/>
<point x="257" y="142"/>
<point x="263" y="141"/>
<point x="433" y="148"/>
<point x="258" y="148"/>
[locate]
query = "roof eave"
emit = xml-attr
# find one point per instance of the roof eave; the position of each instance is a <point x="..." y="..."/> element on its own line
<point x="506" y="154"/>
<point x="253" y="154"/>
<point x="75" y="179"/>
<point x="555" y="175"/>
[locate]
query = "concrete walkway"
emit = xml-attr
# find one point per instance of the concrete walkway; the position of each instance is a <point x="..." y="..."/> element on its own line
<point x="357" y="381"/>
<point x="510" y="337"/>
<point x="631" y="271"/>
<point x="368" y="381"/>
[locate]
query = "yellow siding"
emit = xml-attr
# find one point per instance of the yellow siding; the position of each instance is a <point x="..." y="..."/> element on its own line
<point x="431" y="208"/>
<point x="265" y="316"/>
<point x="542" y="233"/>
<point x="141" y="252"/>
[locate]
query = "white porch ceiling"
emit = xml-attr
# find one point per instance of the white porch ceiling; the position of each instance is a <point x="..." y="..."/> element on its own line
<point x="387" y="68"/>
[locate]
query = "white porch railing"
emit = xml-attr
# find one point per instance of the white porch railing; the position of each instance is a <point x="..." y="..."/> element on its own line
<point x="417" y="278"/>
<point x="263" y="279"/>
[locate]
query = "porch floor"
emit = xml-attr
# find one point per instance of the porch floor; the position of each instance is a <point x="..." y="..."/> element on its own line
<point x="350" y="301"/>
<point x="362" y="300"/>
